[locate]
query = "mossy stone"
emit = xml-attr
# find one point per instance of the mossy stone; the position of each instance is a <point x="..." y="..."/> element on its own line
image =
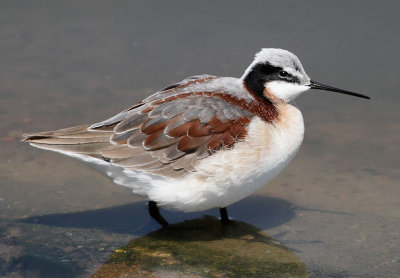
<point x="204" y="248"/>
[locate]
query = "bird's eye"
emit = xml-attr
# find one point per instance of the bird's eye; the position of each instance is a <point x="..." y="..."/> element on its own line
<point x="283" y="74"/>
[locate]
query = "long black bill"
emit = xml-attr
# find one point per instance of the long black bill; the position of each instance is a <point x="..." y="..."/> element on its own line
<point x="315" y="85"/>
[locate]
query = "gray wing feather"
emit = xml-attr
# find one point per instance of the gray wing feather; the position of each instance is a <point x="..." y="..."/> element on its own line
<point x="160" y="136"/>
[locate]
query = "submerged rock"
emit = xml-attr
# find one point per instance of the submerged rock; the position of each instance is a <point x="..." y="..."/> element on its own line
<point x="204" y="248"/>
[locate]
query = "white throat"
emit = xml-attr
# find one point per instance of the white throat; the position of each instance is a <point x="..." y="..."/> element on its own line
<point x="285" y="90"/>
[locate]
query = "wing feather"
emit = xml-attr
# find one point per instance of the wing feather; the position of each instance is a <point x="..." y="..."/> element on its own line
<point x="120" y="151"/>
<point x="166" y="134"/>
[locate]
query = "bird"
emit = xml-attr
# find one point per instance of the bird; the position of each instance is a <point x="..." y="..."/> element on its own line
<point x="205" y="142"/>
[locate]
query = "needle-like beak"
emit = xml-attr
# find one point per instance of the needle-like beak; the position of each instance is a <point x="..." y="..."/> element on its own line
<point x="315" y="85"/>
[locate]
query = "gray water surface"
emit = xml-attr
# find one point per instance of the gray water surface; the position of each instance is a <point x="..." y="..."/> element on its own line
<point x="64" y="63"/>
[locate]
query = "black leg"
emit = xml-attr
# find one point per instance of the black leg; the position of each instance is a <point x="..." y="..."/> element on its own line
<point x="224" y="216"/>
<point x="155" y="213"/>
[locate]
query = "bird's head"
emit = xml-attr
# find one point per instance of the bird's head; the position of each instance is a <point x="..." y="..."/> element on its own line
<point x="278" y="74"/>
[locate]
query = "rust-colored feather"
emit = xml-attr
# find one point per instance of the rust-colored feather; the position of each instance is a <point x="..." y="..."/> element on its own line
<point x="180" y="130"/>
<point x="188" y="144"/>
<point x="166" y="134"/>
<point x="197" y="129"/>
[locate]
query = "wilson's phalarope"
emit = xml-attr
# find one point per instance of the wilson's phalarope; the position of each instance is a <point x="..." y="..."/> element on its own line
<point x="204" y="142"/>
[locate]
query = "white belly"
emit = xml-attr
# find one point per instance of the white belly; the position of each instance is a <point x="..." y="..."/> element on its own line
<point x="226" y="176"/>
<point x="231" y="175"/>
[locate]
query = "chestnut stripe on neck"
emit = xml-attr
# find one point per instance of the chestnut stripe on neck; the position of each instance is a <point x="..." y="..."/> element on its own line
<point x="259" y="107"/>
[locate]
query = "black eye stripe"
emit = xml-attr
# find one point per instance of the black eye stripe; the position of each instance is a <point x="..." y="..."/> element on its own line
<point x="265" y="72"/>
<point x="266" y="69"/>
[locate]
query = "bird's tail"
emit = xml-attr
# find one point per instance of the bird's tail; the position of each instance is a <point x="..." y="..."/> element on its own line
<point x="73" y="140"/>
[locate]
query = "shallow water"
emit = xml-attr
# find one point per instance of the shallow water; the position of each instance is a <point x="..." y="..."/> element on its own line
<point x="336" y="206"/>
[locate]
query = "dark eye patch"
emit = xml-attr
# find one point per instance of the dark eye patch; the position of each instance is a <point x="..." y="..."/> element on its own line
<point x="262" y="73"/>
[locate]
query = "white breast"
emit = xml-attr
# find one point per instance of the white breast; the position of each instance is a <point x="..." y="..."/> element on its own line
<point x="231" y="175"/>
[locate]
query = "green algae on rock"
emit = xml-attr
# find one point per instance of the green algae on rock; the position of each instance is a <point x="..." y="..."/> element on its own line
<point x="204" y="248"/>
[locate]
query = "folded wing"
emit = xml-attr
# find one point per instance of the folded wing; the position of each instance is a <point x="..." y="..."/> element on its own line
<point x="167" y="134"/>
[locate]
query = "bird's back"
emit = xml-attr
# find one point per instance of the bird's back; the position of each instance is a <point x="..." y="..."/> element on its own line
<point x="166" y="134"/>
